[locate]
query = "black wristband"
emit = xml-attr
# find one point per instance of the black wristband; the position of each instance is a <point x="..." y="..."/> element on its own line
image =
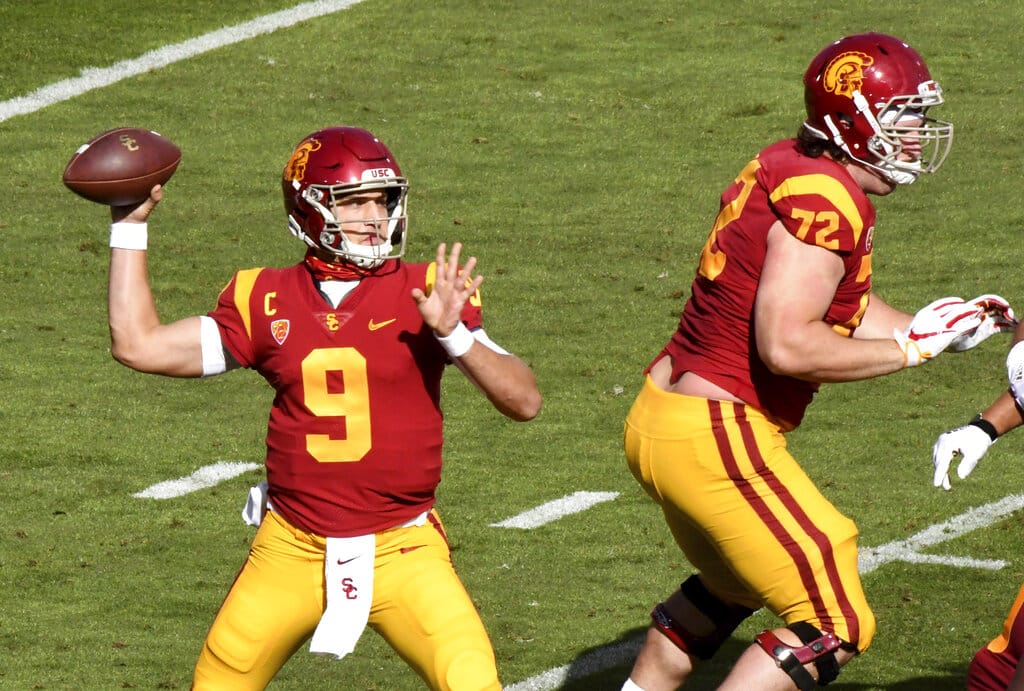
<point x="985" y="426"/>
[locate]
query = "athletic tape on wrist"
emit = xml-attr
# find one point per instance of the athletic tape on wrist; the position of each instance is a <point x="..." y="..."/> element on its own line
<point x="458" y="342"/>
<point x="129" y="236"/>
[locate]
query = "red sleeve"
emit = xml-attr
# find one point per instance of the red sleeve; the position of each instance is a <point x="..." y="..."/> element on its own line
<point x="818" y="209"/>
<point x="233" y="315"/>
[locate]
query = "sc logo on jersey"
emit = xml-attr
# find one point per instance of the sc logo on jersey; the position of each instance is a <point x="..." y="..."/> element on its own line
<point x="845" y="74"/>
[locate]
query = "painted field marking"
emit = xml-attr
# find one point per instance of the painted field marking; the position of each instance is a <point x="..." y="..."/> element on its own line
<point x="554" y="510"/>
<point x="869" y="559"/>
<point x="207" y="476"/>
<point x="98" y="77"/>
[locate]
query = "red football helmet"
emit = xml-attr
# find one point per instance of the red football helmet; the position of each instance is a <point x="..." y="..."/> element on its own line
<point x="330" y="164"/>
<point x="870" y="95"/>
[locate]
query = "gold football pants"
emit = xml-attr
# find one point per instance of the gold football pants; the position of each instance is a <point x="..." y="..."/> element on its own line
<point x="420" y="607"/>
<point x="745" y="514"/>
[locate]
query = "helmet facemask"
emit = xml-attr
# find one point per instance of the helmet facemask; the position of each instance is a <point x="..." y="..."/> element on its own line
<point x="905" y="118"/>
<point x="332" y="239"/>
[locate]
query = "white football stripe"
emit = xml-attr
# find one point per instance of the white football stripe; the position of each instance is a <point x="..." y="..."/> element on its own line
<point x="98" y="77"/>
<point x="205" y="477"/>
<point x="553" y="510"/>
<point x="871" y="558"/>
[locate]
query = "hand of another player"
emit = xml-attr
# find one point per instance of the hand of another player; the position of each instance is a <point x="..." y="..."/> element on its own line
<point x="453" y="287"/>
<point x="934" y="328"/>
<point x="997" y="317"/>
<point x="969" y="442"/>
<point x="139" y="213"/>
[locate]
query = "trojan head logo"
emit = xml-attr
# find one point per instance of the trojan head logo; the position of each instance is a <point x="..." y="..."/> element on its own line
<point x="845" y="73"/>
<point x="296" y="168"/>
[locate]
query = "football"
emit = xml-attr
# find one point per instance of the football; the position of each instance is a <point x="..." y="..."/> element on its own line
<point x="120" y="166"/>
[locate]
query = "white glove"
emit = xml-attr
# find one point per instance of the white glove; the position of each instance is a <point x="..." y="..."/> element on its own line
<point x="934" y="328"/>
<point x="997" y="316"/>
<point x="969" y="441"/>
<point x="1015" y="373"/>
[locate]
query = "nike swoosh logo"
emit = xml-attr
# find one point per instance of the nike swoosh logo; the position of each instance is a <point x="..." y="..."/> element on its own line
<point x="342" y="562"/>
<point x="380" y="325"/>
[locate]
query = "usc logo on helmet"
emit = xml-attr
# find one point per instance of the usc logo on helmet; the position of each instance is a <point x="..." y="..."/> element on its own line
<point x="845" y="73"/>
<point x="296" y="167"/>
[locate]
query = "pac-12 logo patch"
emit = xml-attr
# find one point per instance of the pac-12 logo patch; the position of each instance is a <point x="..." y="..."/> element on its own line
<point x="845" y="74"/>
<point x="279" y="330"/>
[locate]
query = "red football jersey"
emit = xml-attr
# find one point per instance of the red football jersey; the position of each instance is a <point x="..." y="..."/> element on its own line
<point x="819" y="203"/>
<point x="993" y="666"/>
<point x="355" y="431"/>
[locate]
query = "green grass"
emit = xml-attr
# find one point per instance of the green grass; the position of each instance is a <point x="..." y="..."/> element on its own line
<point x="578" y="148"/>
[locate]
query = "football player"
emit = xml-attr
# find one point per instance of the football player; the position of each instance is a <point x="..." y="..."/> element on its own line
<point x="782" y="301"/>
<point x="996" y="666"/>
<point x="354" y="340"/>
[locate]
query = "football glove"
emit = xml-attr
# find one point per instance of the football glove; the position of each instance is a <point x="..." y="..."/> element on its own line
<point x="1015" y="373"/>
<point x="997" y="316"/>
<point x="970" y="442"/>
<point x="935" y="327"/>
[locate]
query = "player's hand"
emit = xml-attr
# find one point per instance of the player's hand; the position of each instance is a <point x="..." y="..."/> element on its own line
<point x="935" y="327"/>
<point x="140" y="212"/>
<point x="969" y="442"/>
<point x="453" y="287"/>
<point x="997" y="316"/>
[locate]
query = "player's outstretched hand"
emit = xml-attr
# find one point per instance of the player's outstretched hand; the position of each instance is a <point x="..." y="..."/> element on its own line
<point x="441" y="309"/>
<point x="140" y="212"/>
<point x="997" y="317"/>
<point x="969" y="442"/>
<point x="935" y="327"/>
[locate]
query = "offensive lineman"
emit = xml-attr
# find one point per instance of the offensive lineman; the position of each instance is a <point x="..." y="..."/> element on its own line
<point x="354" y="341"/>
<point x="781" y="303"/>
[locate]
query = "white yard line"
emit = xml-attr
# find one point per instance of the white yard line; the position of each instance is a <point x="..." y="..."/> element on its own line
<point x="207" y="476"/>
<point x="622" y="653"/>
<point x="553" y="510"/>
<point x="98" y="77"/>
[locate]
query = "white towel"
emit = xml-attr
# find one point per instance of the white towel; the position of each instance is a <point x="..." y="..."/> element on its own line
<point x="256" y="505"/>
<point x="348" y="570"/>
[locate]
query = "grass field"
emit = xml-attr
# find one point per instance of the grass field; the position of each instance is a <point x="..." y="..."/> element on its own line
<point x="578" y="148"/>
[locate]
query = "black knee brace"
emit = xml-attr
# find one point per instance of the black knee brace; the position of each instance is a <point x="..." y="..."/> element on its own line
<point x="725" y="618"/>
<point x="818" y="647"/>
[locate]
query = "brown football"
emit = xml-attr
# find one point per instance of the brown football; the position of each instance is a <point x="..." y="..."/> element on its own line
<point x="119" y="167"/>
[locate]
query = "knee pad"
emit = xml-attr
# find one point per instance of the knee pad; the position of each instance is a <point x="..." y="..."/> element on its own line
<point x="723" y="616"/>
<point x="818" y="647"/>
<point x="471" y="670"/>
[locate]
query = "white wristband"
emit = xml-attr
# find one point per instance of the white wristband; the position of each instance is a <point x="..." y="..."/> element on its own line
<point x="458" y="342"/>
<point x="128" y="236"/>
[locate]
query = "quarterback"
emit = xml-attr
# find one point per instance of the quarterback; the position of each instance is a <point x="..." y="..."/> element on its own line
<point x="354" y="341"/>
<point x="782" y="302"/>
